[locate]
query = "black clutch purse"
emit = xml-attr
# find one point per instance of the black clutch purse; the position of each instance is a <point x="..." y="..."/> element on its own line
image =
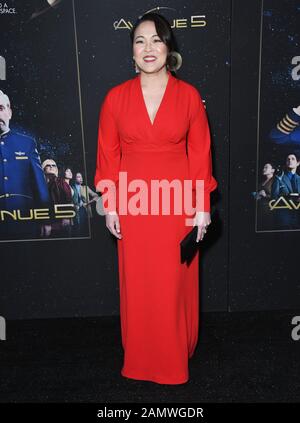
<point x="189" y="246"/>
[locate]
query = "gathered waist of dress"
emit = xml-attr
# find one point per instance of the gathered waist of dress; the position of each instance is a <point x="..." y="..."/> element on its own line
<point x="154" y="149"/>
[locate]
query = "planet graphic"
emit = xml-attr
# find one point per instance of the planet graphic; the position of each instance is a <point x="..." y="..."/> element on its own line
<point x="49" y="4"/>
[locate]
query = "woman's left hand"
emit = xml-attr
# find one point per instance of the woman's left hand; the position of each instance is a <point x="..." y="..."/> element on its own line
<point x="202" y="220"/>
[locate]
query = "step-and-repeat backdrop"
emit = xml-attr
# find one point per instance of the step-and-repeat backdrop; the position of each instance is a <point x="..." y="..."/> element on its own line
<point x="58" y="59"/>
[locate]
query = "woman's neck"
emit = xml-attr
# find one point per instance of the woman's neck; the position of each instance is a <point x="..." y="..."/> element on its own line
<point x="154" y="79"/>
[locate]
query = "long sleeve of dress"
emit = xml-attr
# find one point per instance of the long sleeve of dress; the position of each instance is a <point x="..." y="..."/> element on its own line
<point x="108" y="153"/>
<point x="199" y="151"/>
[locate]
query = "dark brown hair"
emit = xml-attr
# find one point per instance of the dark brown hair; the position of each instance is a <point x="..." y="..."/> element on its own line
<point x="164" y="31"/>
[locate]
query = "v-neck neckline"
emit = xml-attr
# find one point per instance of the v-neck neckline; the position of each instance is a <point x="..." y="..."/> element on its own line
<point x="161" y="102"/>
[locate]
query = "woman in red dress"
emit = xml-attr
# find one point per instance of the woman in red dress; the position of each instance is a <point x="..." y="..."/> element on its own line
<point x="154" y="127"/>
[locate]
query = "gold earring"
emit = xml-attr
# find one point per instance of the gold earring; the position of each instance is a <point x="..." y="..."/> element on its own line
<point x="174" y="61"/>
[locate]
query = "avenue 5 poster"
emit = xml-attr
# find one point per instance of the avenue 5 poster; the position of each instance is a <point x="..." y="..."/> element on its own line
<point x="43" y="190"/>
<point x="277" y="193"/>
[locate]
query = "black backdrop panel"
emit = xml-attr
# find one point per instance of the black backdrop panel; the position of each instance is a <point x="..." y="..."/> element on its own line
<point x="264" y="271"/>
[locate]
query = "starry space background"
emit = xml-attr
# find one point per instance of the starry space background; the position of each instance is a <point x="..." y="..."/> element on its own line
<point x="38" y="44"/>
<point x="279" y="91"/>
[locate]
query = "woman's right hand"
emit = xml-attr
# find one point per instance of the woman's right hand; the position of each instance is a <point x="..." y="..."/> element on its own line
<point x="113" y="224"/>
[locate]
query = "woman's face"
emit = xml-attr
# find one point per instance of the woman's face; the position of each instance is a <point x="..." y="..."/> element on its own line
<point x="68" y="174"/>
<point x="268" y="169"/>
<point x="51" y="167"/>
<point x="147" y="43"/>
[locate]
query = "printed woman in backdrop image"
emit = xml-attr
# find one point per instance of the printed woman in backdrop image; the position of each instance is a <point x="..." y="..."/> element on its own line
<point x="154" y="127"/>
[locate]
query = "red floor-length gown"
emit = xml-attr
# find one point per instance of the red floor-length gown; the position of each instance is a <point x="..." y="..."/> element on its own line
<point x="159" y="296"/>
